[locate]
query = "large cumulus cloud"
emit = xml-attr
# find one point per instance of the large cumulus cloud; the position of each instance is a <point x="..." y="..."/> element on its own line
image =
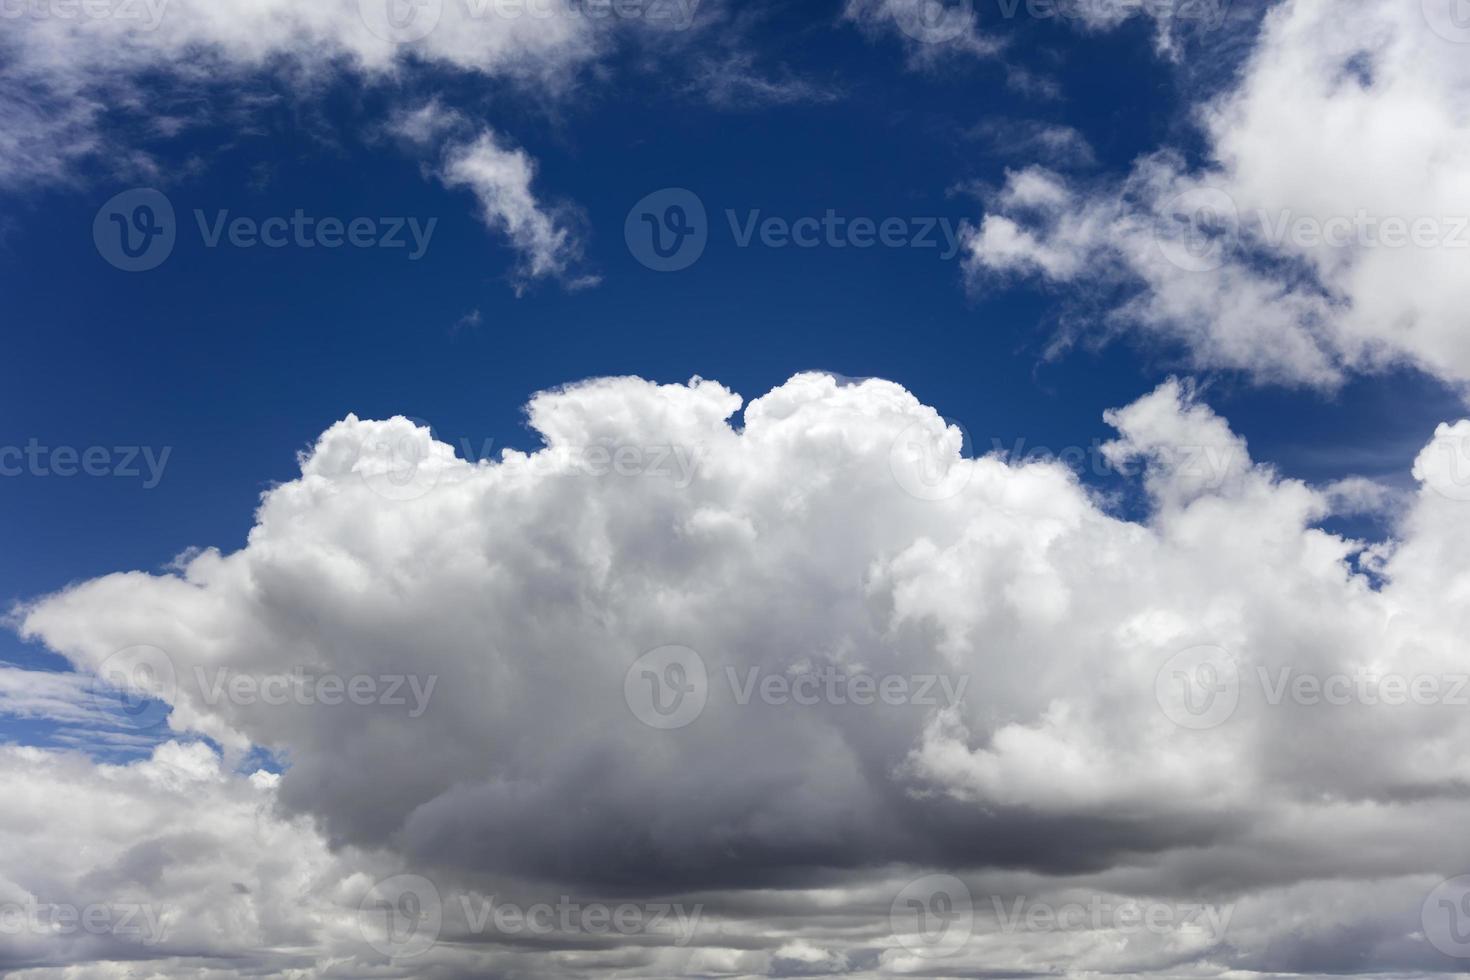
<point x="833" y="529"/>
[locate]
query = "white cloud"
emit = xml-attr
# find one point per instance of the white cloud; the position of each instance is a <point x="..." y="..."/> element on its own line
<point x="501" y="179"/>
<point x="809" y="541"/>
<point x="1292" y="255"/>
<point x="933" y="30"/>
<point x="70" y="61"/>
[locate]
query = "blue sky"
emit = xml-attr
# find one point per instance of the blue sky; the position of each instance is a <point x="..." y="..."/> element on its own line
<point x="1094" y="224"/>
<point x="236" y="358"/>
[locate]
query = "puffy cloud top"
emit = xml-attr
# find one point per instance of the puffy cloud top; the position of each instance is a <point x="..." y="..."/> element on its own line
<point x="1052" y="669"/>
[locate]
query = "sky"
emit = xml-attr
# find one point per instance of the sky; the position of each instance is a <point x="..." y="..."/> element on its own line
<point x="613" y="391"/>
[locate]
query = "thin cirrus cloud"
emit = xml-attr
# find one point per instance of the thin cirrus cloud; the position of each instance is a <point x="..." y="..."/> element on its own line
<point x="836" y="532"/>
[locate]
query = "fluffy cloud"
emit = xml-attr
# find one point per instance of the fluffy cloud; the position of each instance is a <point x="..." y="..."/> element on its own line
<point x="501" y="179"/>
<point x="173" y="859"/>
<point x="1080" y="709"/>
<point x="1326" y="234"/>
